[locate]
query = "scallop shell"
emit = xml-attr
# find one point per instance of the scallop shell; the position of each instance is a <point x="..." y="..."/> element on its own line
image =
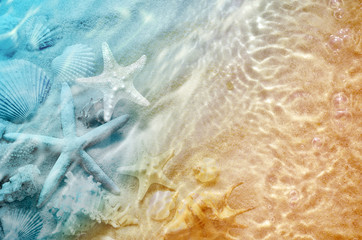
<point x="21" y="224"/>
<point x="39" y="35"/>
<point x="23" y="87"/>
<point x="75" y="62"/>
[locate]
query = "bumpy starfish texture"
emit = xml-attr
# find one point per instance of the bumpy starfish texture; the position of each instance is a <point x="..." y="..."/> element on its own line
<point x="116" y="82"/>
<point x="149" y="172"/>
<point x="71" y="147"/>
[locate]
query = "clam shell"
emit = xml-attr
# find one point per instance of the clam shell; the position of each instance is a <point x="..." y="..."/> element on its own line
<point x="23" y="87"/>
<point x="75" y="62"/>
<point x="38" y="35"/>
<point x="21" y="224"/>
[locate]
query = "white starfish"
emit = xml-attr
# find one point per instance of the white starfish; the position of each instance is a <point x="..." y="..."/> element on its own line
<point x="115" y="82"/>
<point x="71" y="147"/>
<point x="149" y="172"/>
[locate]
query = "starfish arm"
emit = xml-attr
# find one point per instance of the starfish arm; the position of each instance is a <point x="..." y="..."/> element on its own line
<point x="109" y="103"/>
<point x="129" y="170"/>
<point x="50" y="141"/>
<point x="108" y="59"/>
<point x="143" y="186"/>
<point x="92" y="167"/>
<point x="133" y="95"/>
<point x="135" y="67"/>
<point x="54" y="177"/>
<point x="164" y="181"/>
<point x="103" y="131"/>
<point x="67" y="112"/>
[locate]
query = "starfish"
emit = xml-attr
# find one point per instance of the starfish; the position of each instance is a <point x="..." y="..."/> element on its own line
<point x="149" y="172"/>
<point x="204" y="215"/>
<point x="115" y="82"/>
<point x="71" y="147"/>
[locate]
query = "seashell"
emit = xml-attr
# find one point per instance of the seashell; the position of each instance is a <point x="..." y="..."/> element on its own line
<point x="75" y="62"/>
<point x="24" y="183"/>
<point x="161" y="204"/>
<point x="92" y="113"/>
<point x="38" y="35"/>
<point x="206" y="171"/>
<point x="21" y="224"/>
<point x="23" y="87"/>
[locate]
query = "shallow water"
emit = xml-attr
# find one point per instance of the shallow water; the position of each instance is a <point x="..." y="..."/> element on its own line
<point x="269" y="90"/>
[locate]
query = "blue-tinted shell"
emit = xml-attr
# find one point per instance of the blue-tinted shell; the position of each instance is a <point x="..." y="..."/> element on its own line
<point x="38" y="34"/>
<point x="75" y="62"/>
<point x="23" y="87"/>
<point x="21" y="224"/>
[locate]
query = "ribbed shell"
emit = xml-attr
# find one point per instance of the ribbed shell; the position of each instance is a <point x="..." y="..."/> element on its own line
<point x="75" y="62"/>
<point x="38" y="34"/>
<point x="21" y="225"/>
<point x="41" y="37"/>
<point x="23" y="87"/>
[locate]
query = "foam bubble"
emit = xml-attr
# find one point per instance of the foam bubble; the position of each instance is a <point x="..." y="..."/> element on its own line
<point x="335" y="4"/>
<point x="342" y="119"/>
<point x="293" y="198"/>
<point x="335" y="42"/>
<point x="317" y="142"/>
<point x="340" y="101"/>
<point x="338" y="13"/>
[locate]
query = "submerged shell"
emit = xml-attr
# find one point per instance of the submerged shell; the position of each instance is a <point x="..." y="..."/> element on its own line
<point x="75" y="62"/>
<point x="21" y="224"/>
<point x="23" y="87"/>
<point x="39" y="35"/>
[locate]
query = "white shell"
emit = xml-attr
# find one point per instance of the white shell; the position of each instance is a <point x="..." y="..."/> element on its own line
<point x="75" y="62"/>
<point x="23" y="87"/>
<point x="21" y="224"/>
<point x="38" y="35"/>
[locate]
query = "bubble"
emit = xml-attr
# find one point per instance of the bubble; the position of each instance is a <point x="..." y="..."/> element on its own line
<point x="335" y="4"/>
<point x="293" y="198"/>
<point x="342" y="118"/>
<point x="340" y="101"/>
<point x="338" y="13"/>
<point x="317" y="142"/>
<point x="335" y="42"/>
<point x="344" y="33"/>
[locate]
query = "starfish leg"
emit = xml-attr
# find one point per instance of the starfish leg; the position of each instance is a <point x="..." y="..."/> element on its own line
<point x="108" y="59"/>
<point x="12" y="137"/>
<point x="54" y="177"/>
<point x="129" y="170"/>
<point x="67" y="111"/>
<point x="136" y="66"/>
<point x="133" y="95"/>
<point x="91" y="167"/>
<point x="103" y="131"/>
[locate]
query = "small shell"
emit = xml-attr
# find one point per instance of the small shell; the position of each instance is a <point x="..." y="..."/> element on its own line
<point x="206" y="171"/>
<point x="38" y="34"/>
<point x="23" y="87"/>
<point x="75" y="62"/>
<point x="21" y="224"/>
<point x="161" y="204"/>
<point x="92" y="113"/>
